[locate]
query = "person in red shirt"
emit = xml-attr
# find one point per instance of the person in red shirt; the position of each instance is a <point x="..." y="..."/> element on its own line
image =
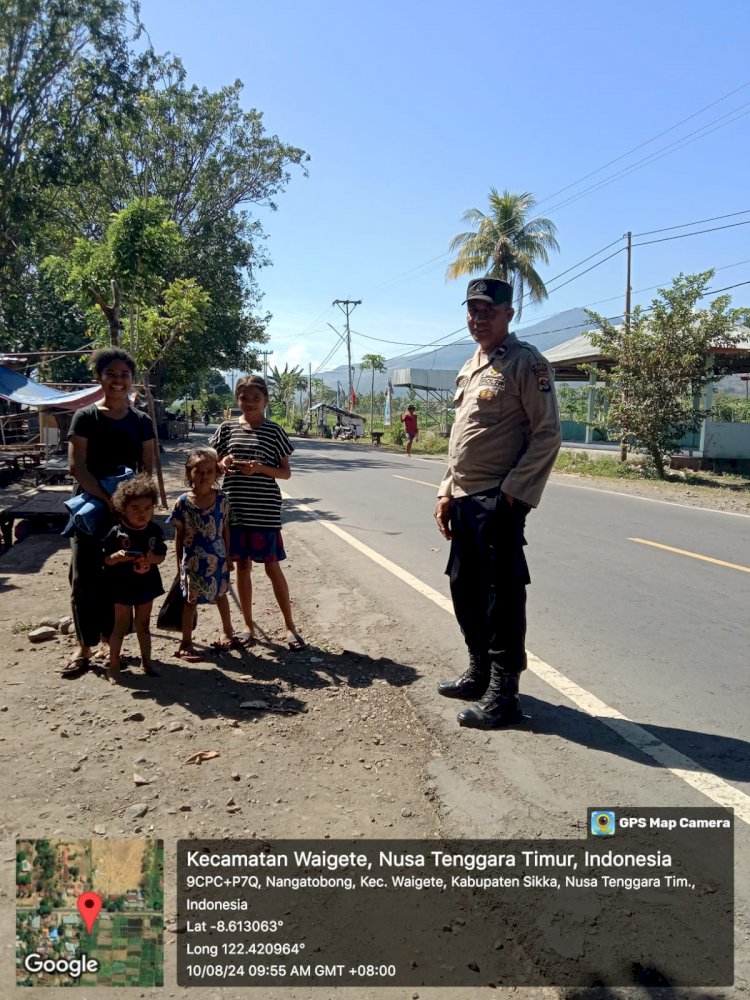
<point x="409" y="420"/>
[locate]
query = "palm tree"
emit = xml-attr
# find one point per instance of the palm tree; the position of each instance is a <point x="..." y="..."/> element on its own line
<point x="507" y="244"/>
<point x="285" y="384"/>
<point x="375" y="362"/>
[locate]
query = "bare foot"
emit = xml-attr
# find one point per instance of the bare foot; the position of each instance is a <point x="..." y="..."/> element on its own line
<point x="148" y="670"/>
<point x="113" y="674"/>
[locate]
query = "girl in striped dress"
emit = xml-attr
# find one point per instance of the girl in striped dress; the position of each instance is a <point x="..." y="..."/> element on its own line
<point x="255" y="454"/>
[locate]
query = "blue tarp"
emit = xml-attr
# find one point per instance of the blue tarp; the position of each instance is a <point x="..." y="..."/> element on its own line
<point x="19" y="389"/>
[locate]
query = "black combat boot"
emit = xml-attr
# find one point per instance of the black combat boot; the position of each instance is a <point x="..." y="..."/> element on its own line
<point x="472" y="683"/>
<point x="500" y="705"/>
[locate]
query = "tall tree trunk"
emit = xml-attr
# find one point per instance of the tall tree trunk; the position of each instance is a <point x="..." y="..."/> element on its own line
<point x="658" y="462"/>
<point x="111" y="312"/>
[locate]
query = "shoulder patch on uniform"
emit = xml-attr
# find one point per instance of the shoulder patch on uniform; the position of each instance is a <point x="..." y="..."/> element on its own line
<point x="541" y="367"/>
<point x="542" y="380"/>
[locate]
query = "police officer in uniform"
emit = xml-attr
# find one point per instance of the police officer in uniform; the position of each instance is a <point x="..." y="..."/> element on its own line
<point x="503" y="445"/>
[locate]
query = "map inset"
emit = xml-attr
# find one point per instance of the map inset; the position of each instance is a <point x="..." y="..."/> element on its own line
<point x="126" y="941"/>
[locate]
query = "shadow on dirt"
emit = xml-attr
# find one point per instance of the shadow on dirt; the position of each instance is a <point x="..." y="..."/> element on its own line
<point x="272" y="683"/>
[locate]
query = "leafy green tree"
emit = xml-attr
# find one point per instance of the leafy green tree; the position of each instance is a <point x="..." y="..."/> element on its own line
<point x="284" y="385"/>
<point x="210" y="161"/>
<point x="573" y="402"/>
<point x="140" y="248"/>
<point x="660" y="363"/>
<point x="373" y="363"/>
<point x="65" y="68"/>
<point x="507" y="243"/>
<point x="730" y="409"/>
<point x="141" y="251"/>
<point x="322" y="393"/>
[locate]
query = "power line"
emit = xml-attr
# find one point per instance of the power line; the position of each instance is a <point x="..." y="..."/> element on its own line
<point x="576" y="276"/>
<point x="682" y="236"/>
<point x="405" y="276"/>
<point x="697" y="222"/>
<point x="585" y="260"/>
<point x="659" y="154"/>
<point x="647" y="142"/>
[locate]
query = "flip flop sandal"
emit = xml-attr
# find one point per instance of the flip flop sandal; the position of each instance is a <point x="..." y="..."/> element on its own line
<point x="297" y="644"/>
<point x="242" y="640"/>
<point x="76" y="667"/>
<point x="188" y="657"/>
<point x="222" y="645"/>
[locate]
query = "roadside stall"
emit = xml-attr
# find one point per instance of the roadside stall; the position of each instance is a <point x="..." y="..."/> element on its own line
<point x="333" y="422"/>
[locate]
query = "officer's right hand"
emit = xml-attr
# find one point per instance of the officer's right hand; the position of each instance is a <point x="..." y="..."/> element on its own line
<point x="443" y="516"/>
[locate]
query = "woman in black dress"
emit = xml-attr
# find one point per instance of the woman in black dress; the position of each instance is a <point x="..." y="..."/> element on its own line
<point x="102" y="438"/>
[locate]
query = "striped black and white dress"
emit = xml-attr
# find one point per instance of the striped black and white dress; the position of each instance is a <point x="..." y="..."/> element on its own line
<point x="254" y="501"/>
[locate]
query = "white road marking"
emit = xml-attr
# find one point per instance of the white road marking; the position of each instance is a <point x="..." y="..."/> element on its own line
<point x="683" y="767"/>
<point x="634" y="496"/>
<point x="693" y="555"/>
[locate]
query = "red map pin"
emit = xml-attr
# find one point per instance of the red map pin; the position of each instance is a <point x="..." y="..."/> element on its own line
<point x="89" y="904"/>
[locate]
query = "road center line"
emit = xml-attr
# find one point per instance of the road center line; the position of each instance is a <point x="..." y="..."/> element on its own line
<point x="683" y="767"/>
<point x="421" y="482"/>
<point x="693" y="555"/>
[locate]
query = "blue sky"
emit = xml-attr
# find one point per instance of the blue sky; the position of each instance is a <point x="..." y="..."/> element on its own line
<point x="412" y="112"/>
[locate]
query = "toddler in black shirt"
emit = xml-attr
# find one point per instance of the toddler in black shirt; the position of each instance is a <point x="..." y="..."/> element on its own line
<point x="133" y="550"/>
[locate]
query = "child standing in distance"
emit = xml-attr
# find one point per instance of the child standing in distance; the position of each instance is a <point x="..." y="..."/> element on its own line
<point x="255" y="453"/>
<point x="411" y="426"/>
<point x="133" y="550"/>
<point x="201" y="521"/>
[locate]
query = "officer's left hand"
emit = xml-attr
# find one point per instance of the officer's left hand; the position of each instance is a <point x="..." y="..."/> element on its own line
<point x="443" y="516"/>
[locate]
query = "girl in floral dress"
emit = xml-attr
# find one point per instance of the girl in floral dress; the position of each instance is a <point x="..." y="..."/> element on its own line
<point x="201" y="521"/>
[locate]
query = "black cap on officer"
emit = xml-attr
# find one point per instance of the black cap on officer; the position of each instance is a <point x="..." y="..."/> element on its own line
<point x="493" y="290"/>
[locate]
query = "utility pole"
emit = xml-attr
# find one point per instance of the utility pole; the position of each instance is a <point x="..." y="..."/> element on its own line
<point x="309" y="387"/>
<point x="629" y="248"/>
<point x="344" y="305"/>
<point x="265" y="363"/>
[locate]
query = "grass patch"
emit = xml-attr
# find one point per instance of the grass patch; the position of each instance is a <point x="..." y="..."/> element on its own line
<point x="18" y="628"/>
<point x="641" y="468"/>
<point x="606" y="467"/>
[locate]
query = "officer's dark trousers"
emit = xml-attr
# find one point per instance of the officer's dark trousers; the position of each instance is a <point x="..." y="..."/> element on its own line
<point x="488" y="576"/>
<point x="93" y="610"/>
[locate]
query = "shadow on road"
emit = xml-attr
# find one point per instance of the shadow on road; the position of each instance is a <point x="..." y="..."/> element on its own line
<point x="340" y="456"/>
<point x="723" y="756"/>
<point x="292" y="511"/>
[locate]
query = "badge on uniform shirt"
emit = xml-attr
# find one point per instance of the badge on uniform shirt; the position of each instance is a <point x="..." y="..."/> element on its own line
<point x="542" y="377"/>
<point x="493" y="380"/>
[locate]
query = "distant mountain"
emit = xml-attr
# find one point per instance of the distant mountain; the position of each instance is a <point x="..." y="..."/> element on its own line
<point x="543" y="335"/>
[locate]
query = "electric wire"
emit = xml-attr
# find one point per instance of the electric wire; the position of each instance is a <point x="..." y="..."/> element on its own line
<point x="697" y="232"/>
<point x="405" y="276"/>
<point x="687" y="140"/>
<point x="646" y="142"/>
<point x="684" y="225"/>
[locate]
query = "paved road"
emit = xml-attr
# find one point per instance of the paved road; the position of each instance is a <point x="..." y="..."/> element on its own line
<point x="656" y="635"/>
<point x="661" y="636"/>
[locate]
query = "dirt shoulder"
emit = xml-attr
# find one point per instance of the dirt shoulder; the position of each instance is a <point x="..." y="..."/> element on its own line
<point x="734" y="498"/>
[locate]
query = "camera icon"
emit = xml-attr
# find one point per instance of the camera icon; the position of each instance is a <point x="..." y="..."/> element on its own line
<point x="603" y="823"/>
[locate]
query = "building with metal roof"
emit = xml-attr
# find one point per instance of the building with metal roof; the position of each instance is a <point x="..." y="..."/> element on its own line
<point x="718" y="439"/>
